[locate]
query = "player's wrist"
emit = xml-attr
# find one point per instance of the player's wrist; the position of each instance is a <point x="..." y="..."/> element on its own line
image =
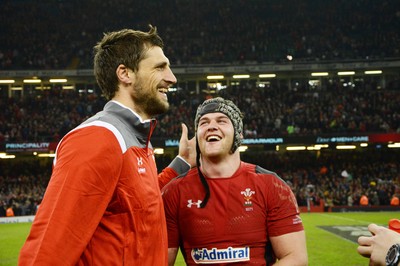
<point x="393" y="255"/>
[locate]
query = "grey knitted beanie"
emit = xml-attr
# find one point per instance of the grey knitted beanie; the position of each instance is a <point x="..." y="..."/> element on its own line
<point x="227" y="107"/>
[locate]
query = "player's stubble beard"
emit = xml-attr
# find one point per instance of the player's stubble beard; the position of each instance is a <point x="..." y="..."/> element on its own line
<point x="150" y="100"/>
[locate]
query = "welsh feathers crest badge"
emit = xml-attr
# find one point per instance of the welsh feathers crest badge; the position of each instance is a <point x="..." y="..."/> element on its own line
<point x="247" y="193"/>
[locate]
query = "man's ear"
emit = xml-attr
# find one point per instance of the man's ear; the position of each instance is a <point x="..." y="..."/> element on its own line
<point x="124" y="75"/>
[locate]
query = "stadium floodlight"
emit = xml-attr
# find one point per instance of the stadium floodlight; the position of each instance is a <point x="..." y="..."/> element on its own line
<point x="243" y="148"/>
<point x="372" y="72"/>
<point x="51" y="155"/>
<point x="42" y="88"/>
<point x="346" y="73"/>
<point x="32" y="80"/>
<point x="4" y="155"/>
<point x="215" y="77"/>
<point x="295" y="148"/>
<point x="58" y="80"/>
<point x="313" y="148"/>
<point x="241" y="76"/>
<point x="68" y="87"/>
<point x="7" y="81"/>
<point x="319" y="74"/>
<point x="158" y="151"/>
<point x="267" y="75"/>
<point x="320" y="146"/>
<point x="345" y="147"/>
<point x="394" y="145"/>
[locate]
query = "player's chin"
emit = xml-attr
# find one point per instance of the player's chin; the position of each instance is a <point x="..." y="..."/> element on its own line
<point x="165" y="104"/>
<point x="160" y="107"/>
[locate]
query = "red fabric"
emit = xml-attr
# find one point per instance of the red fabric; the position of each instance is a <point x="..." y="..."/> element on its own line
<point x="9" y="212"/>
<point x="105" y="210"/>
<point x="243" y="210"/>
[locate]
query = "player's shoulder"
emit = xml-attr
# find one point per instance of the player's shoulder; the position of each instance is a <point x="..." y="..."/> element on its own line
<point x="256" y="169"/>
<point x="260" y="170"/>
<point x="182" y="179"/>
<point x="262" y="173"/>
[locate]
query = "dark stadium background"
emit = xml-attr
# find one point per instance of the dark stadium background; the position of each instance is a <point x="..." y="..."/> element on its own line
<point x="53" y="39"/>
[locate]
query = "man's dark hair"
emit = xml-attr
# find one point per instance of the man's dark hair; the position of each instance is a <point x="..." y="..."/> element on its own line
<point x="126" y="47"/>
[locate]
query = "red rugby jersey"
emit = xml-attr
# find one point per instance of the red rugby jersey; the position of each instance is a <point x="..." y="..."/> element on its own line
<point x="242" y="212"/>
<point x="103" y="204"/>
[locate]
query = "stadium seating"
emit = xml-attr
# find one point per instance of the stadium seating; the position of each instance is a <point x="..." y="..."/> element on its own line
<point x="61" y="34"/>
<point x="47" y="116"/>
<point x="53" y="35"/>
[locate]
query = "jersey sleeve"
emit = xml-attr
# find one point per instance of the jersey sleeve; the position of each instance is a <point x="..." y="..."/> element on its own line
<point x="177" y="167"/>
<point x="171" y="201"/>
<point x="86" y="171"/>
<point x="283" y="212"/>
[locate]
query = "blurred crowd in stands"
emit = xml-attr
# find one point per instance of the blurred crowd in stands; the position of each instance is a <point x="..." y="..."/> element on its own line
<point x="327" y="177"/>
<point x="268" y="112"/>
<point x="340" y="178"/>
<point x="334" y="178"/>
<point x="60" y="34"/>
<point x="22" y="185"/>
